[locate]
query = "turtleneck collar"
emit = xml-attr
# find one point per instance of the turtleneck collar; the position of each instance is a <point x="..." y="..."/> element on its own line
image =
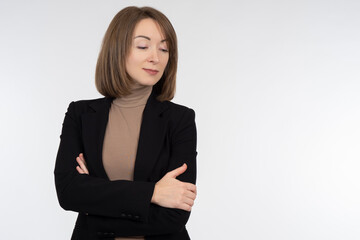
<point x="138" y="97"/>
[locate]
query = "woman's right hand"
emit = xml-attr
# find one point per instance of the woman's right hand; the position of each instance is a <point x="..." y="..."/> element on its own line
<point x="172" y="193"/>
<point x="169" y="192"/>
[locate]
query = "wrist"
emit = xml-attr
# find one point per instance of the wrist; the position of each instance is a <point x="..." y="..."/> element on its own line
<point x="153" y="198"/>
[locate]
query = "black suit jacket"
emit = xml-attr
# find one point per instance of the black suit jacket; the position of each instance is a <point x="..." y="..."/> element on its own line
<point x="108" y="209"/>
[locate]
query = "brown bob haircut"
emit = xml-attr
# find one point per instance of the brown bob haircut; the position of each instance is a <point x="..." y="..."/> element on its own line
<point x="111" y="77"/>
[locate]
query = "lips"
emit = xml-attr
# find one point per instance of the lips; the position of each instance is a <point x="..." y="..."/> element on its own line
<point x="151" y="71"/>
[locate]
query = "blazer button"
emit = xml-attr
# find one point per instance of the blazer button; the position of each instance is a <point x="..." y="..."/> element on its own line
<point x="123" y="215"/>
<point x="129" y="216"/>
<point x="136" y="217"/>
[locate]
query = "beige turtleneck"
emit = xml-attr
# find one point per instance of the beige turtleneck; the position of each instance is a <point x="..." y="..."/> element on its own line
<point x="122" y="135"/>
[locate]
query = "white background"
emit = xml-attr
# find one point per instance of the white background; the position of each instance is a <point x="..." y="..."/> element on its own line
<point x="275" y="86"/>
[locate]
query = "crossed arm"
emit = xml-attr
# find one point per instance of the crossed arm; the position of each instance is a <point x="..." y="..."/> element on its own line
<point x="157" y="208"/>
<point x="168" y="192"/>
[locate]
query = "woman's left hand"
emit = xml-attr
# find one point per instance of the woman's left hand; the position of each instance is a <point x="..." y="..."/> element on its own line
<point x="82" y="169"/>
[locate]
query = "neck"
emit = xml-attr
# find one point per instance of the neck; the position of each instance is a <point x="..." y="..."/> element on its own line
<point x="138" y="97"/>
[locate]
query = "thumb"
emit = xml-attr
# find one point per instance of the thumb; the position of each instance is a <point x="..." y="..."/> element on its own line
<point x="178" y="171"/>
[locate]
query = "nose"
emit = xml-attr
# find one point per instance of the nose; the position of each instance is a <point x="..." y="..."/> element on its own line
<point x="154" y="56"/>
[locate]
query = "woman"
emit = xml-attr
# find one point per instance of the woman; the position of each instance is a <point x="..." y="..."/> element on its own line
<point x="135" y="150"/>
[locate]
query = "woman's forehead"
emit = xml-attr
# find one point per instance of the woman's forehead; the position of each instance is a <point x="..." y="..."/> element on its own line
<point x="149" y="28"/>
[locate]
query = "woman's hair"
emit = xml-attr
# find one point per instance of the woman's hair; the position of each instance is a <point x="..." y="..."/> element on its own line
<point x="111" y="78"/>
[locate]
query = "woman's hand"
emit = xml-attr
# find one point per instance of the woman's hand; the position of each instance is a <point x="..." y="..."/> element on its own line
<point x="82" y="169"/>
<point x="172" y="193"/>
<point x="169" y="192"/>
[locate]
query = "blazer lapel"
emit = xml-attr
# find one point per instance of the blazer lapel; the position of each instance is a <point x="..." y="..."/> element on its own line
<point x="94" y="126"/>
<point x="151" y="139"/>
<point x="152" y="133"/>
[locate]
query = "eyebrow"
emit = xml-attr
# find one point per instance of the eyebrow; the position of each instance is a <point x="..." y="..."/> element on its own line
<point x="142" y="36"/>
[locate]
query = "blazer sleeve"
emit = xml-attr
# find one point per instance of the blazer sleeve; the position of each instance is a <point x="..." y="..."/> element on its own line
<point x="122" y="208"/>
<point x="89" y="194"/>
<point x="160" y="220"/>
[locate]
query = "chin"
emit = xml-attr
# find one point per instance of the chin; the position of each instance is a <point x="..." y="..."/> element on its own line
<point x="149" y="82"/>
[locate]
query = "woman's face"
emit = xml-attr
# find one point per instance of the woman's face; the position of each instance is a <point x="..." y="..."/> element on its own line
<point x="148" y="55"/>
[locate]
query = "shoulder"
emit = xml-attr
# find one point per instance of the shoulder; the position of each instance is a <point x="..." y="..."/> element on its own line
<point x="179" y="115"/>
<point x="77" y="109"/>
<point x="89" y="105"/>
<point x="89" y="102"/>
<point x="177" y="110"/>
<point x="181" y="122"/>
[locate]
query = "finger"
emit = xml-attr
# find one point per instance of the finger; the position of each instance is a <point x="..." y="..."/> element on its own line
<point x="82" y="165"/>
<point x="191" y="187"/>
<point x="190" y="195"/>
<point x="178" y="171"/>
<point x="189" y="201"/>
<point x="81" y="155"/>
<point x="185" y="207"/>
<point x="80" y="170"/>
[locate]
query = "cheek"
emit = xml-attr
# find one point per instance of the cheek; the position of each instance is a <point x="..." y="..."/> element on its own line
<point x="131" y="62"/>
<point x="166" y="61"/>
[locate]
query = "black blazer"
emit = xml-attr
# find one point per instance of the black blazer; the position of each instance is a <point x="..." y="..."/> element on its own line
<point x="108" y="209"/>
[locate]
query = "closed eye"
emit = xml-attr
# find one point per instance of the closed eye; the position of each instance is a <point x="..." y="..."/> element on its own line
<point x="164" y="50"/>
<point x="142" y="47"/>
